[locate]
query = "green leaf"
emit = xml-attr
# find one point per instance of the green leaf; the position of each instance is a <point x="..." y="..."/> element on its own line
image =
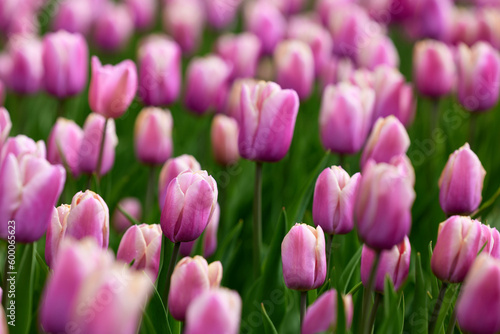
<point x="419" y="318"/>
<point x="268" y="324"/>
<point x="222" y="252"/>
<point x="392" y="311"/>
<point x="341" y="324"/>
<point x="155" y="319"/>
<point x="346" y="276"/>
<point x="447" y="302"/>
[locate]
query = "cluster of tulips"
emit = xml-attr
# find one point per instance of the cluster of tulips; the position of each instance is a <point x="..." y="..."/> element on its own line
<point x="254" y="81"/>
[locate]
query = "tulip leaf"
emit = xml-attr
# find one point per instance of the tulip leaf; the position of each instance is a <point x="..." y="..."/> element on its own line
<point x="419" y="319"/>
<point x="448" y="300"/>
<point x="232" y="237"/>
<point x="268" y="324"/>
<point x="434" y="281"/>
<point x="393" y="312"/>
<point x="155" y="319"/>
<point x="346" y="276"/>
<point x="341" y="323"/>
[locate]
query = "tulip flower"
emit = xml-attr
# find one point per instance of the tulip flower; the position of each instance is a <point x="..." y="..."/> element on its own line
<point x="241" y="52"/>
<point x="379" y="50"/>
<point x="3" y="319"/>
<point x="221" y="13"/>
<point x="159" y="70"/>
<point x="143" y="11"/>
<point x="207" y="84"/>
<point x="387" y="140"/>
<point x="214" y="311"/>
<point x="153" y="136"/>
<point x="294" y="65"/>
<point x="64" y="144"/>
<point x="345" y="117"/>
<point x="171" y="169"/>
<point x="266" y="21"/>
<point x="431" y="19"/>
<point x="55" y="232"/>
<point x="233" y="105"/>
<point x="209" y="237"/>
<point x="478" y="76"/>
<point x="333" y="200"/>
<point x="89" y="149"/>
<point x="65" y="62"/>
<point x="393" y="263"/>
<point x="382" y="209"/>
<point x="457" y="245"/>
<point x="189" y="204"/>
<point x="461" y="182"/>
<point x="114" y="26"/>
<point x="267" y="121"/>
<point x="477" y="307"/>
<point x="489" y="241"/>
<point x="321" y="316"/>
<point x="224" y="135"/>
<point x="191" y="277"/>
<point x="404" y="166"/>
<point x="433" y="68"/>
<point x="5" y="125"/>
<point x="112" y="88"/>
<point x="288" y="7"/>
<point x="336" y="70"/>
<point x="130" y="205"/>
<point x="74" y="16"/>
<point x="303" y="257"/>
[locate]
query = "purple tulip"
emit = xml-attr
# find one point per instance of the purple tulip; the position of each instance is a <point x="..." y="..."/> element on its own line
<point x="55" y="232"/>
<point x="220" y="13"/>
<point x="336" y="70"/>
<point x="404" y="166"/>
<point x="431" y="19"/>
<point x="379" y="50"/>
<point x="143" y="11"/>
<point x="321" y="316"/>
<point x="303" y="257"/>
<point x="224" y="135"/>
<point x="64" y="144"/>
<point x="74" y="16"/>
<point x="130" y="205"/>
<point x="490" y="240"/>
<point x="153" y="136"/>
<point x="266" y="21"/>
<point x="114" y="26"/>
<point x="233" y="103"/>
<point x="210" y="236"/>
<point x="324" y="8"/>
<point x="241" y="52"/>
<point x="5" y="125"/>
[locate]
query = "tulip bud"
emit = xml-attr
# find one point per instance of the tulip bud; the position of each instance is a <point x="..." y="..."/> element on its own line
<point x="112" y="88"/>
<point x="5" y="125"/>
<point x="191" y="277"/>
<point x="113" y="27"/>
<point x="321" y="316"/>
<point x="153" y="135"/>
<point x="477" y="306"/>
<point x="267" y="121"/>
<point x="65" y="62"/>
<point x="207" y="84"/>
<point x="210" y="236"/>
<point x="345" y="117"/>
<point x="431" y="19"/>
<point x="433" y="68"/>
<point x="225" y="140"/>
<point x="478" y="76"/>
<point x="333" y="200"/>
<point x="265" y="20"/>
<point x="387" y="140"/>
<point x="294" y="65"/>
<point x="74" y="16"/>
<point x="382" y="209"/>
<point x="394" y="263"/>
<point x="303" y="257"/>
<point x="337" y="70"/>
<point x="461" y="182"/>
<point x="233" y="106"/>
<point x="130" y="205"/>
<point x="404" y="166"/>
<point x="379" y="50"/>
<point x="241" y="52"/>
<point x="159" y="70"/>
<point x="91" y="144"/>
<point x="189" y="204"/>
<point x="143" y="11"/>
<point x="55" y="232"/>
<point x="214" y="311"/>
<point x="221" y="13"/>
<point x="488" y="243"/>
<point x="22" y="145"/>
<point x="456" y="248"/>
<point x="171" y="169"/>
<point x="64" y="144"/>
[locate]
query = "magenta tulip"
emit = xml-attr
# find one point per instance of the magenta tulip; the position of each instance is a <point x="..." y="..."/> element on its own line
<point x="266" y="21"/>
<point x="74" y="16"/>
<point x="220" y="13"/>
<point x="233" y="103"/>
<point x="321" y="316"/>
<point x="153" y="136"/>
<point x="379" y="50"/>
<point x="143" y="11"/>
<point x="224" y="135"/>
<point x="130" y="205"/>
<point x="55" y="232"/>
<point x="64" y="144"/>
<point x="241" y="52"/>
<point x="5" y="125"/>
<point x="209" y="237"/>
<point x="113" y="27"/>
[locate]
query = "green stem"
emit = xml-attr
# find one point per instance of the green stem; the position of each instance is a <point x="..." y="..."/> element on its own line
<point x="101" y="150"/>
<point x="128" y="216"/>
<point x="365" y="328"/>
<point x="487" y="204"/>
<point x="373" y="314"/>
<point x="437" y="308"/>
<point x="303" y="306"/>
<point x="171" y="265"/>
<point x="451" y="324"/>
<point x="342" y="160"/>
<point x="257" y="219"/>
<point x="60" y="108"/>
<point x="89" y="182"/>
<point x="472" y="128"/>
<point x="329" y="239"/>
<point x="434" y="114"/>
<point x="150" y="192"/>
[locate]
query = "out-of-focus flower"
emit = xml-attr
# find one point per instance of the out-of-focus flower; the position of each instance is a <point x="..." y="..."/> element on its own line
<point x="431" y="19"/>
<point x="143" y="11"/>
<point x="465" y="26"/>
<point x="64" y="144"/>
<point x="114" y="26"/>
<point x="241" y="52"/>
<point x="233" y="103"/>
<point x="336" y="70"/>
<point x="153" y="136"/>
<point x="379" y="50"/>
<point x="184" y="21"/>
<point x="266" y="21"/>
<point x="321" y="316"/>
<point x="74" y="16"/>
<point x="5" y="125"/>
<point x="224" y="135"/>
<point x="221" y="13"/>
<point x="323" y="8"/>
<point x="130" y="205"/>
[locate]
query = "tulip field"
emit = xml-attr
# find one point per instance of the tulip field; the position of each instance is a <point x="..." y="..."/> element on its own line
<point x="249" y="166"/>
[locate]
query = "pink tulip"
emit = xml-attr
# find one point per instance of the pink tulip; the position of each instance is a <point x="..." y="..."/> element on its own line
<point x="5" y="125"/>
<point x="265" y="20"/>
<point x="159" y="70"/>
<point x="490" y="241"/>
<point x="113" y="27"/>
<point x="191" y="277"/>
<point x="189" y="204"/>
<point x="461" y="182"/>
<point x="130" y="205"/>
<point x="153" y="135"/>
<point x="220" y="13"/>
<point x="112" y="88"/>
<point x="233" y="103"/>
<point x="336" y="70"/>
<point x="464" y="26"/>
<point x="91" y="143"/>
<point x="321" y="316"/>
<point x="431" y="19"/>
<point x="55" y="232"/>
<point x="379" y="50"/>
<point x="303" y="257"/>
<point x="3" y="318"/>
<point x="404" y="166"/>
<point x="345" y="117"/>
<point x="64" y="144"/>
<point x="394" y="263"/>
<point x="74" y="16"/>
<point x="324" y="8"/>
<point x="267" y="121"/>
<point x="241" y="52"/>
<point x="22" y="145"/>
<point x="143" y="11"/>
<point x="209" y="237"/>
<point x="224" y="136"/>
<point x="214" y="311"/>
<point x="382" y="209"/>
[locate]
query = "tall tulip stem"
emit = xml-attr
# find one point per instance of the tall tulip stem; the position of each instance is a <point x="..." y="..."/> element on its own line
<point x="257" y="219"/>
<point x="101" y="149"/>
<point x="376" y="303"/>
<point x="365" y="319"/>
<point x="303" y="306"/>
<point x="329" y="240"/>
<point x="150" y="192"/>
<point x="434" y="114"/>
<point x="171" y="265"/>
<point x="437" y="307"/>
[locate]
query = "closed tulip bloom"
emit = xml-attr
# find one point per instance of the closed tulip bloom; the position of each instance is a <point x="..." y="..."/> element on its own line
<point x="65" y="62"/>
<point x="380" y="50"/>
<point x="184" y="20"/>
<point x="477" y="306"/>
<point x="233" y="103"/>
<point x="74" y="16"/>
<point x="191" y="277"/>
<point x="224" y="136"/>
<point x="220" y="13"/>
<point x="321" y="316"/>
<point x="461" y="182"/>
<point x="241" y="52"/>
<point x="404" y="166"/>
<point x="478" y="76"/>
<point x="153" y="136"/>
<point x="303" y="257"/>
<point x="210" y="236"/>
<point x="387" y="140"/>
<point x="488" y="243"/>
<point x="333" y="200"/>
<point x="394" y="263"/>
<point x="217" y="311"/>
<point x="207" y="84"/>
<point x="143" y="11"/>
<point x="5" y="125"/>
<point x="89" y="149"/>
<point x="159" y="70"/>
<point x="433" y="68"/>
<point x="266" y="21"/>
<point x="432" y="19"/>
<point x="113" y="27"/>
<point x="21" y="145"/>
<point x="382" y="209"/>
<point x="171" y="169"/>
<point x="112" y="88"/>
<point x="345" y="117"/>
<point x="130" y="205"/>
<point x="336" y="70"/>
<point x="64" y="144"/>
<point x="457" y="245"/>
<point x="267" y="121"/>
<point x="189" y="204"/>
<point x="55" y="232"/>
